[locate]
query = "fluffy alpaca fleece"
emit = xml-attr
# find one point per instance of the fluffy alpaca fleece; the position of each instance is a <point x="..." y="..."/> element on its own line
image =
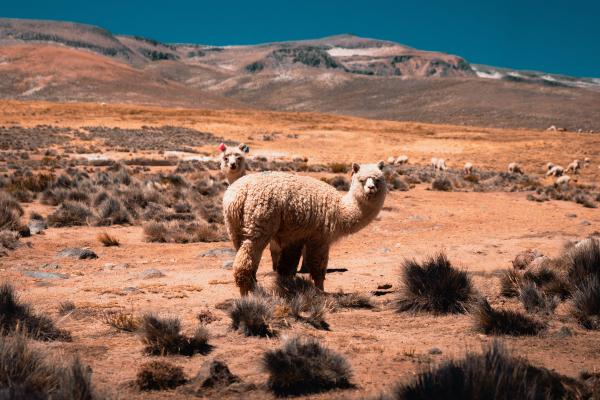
<point x="233" y="161"/>
<point x="233" y="165"/>
<point x="287" y="209"/>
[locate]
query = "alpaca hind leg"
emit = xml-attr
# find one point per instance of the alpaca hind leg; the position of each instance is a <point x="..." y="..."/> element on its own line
<point x="290" y="257"/>
<point x="246" y="263"/>
<point x="316" y="258"/>
<point x="275" y="249"/>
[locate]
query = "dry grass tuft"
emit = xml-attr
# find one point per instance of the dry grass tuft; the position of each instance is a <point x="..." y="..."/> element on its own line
<point x="492" y="375"/>
<point x="108" y="240"/>
<point x="29" y="374"/>
<point x="17" y="316"/>
<point x="304" y="366"/>
<point x="162" y="336"/>
<point x="122" y="321"/>
<point x="252" y="315"/>
<point x="434" y="286"/>
<point x="159" y="375"/>
<point x="586" y="303"/>
<point x="504" y="322"/>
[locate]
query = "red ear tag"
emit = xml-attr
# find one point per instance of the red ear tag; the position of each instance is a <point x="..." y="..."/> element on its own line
<point x="222" y="147"/>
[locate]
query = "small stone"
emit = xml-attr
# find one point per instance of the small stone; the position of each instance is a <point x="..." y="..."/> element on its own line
<point x="36" y="226"/>
<point x="224" y="251"/>
<point x="227" y="264"/>
<point x="435" y="350"/>
<point x="151" y="273"/>
<point x="571" y="215"/>
<point x="45" y="275"/>
<point x="50" y="266"/>
<point x="564" y="332"/>
<point x="81" y="254"/>
<point x="585" y="222"/>
<point x="215" y="376"/>
<point x="131" y="290"/>
<point x="385" y="286"/>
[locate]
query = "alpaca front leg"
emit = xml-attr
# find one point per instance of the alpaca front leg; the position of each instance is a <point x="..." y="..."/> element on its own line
<point x="316" y="258"/>
<point x="246" y="263"/>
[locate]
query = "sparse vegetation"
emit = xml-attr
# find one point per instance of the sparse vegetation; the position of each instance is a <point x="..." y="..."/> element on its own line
<point x="303" y="366"/>
<point x="16" y="316"/>
<point x="122" y="321"/>
<point x="434" y="286"/>
<point x="504" y="322"/>
<point x="252" y="315"/>
<point x="28" y="374"/>
<point x="108" y="240"/>
<point x="66" y="307"/>
<point x="70" y="214"/>
<point x="495" y="374"/>
<point x="586" y="303"/>
<point x="162" y="336"/>
<point x="159" y="375"/>
<point x="442" y="183"/>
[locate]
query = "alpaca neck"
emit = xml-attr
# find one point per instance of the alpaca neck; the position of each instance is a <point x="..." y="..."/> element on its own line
<point x="233" y="176"/>
<point x="355" y="214"/>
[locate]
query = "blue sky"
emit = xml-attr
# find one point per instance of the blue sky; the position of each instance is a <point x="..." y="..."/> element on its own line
<point x="552" y="36"/>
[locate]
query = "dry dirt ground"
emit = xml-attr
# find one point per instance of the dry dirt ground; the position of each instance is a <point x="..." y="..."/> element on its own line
<point x="481" y="232"/>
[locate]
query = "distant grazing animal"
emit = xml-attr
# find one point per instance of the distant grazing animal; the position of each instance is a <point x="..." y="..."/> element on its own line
<point x="468" y="168"/>
<point x="434" y="162"/>
<point x="563" y="180"/>
<point x="401" y="160"/>
<point x="440" y="164"/>
<point x="557" y="170"/>
<point x="233" y="161"/>
<point x="514" y="168"/>
<point x="575" y="166"/>
<point x="286" y="208"/>
<point x="586" y="160"/>
<point x="549" y="166"/>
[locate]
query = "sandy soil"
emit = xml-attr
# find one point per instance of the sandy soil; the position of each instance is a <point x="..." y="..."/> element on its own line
<point x="481" y="232"/>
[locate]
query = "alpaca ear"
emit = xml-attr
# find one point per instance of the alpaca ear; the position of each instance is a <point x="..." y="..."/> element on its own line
<point x="381" y="165"/>
<point x="355" y="168"/>
<point x="222" y="147"/>
<point x="244" y="147"/>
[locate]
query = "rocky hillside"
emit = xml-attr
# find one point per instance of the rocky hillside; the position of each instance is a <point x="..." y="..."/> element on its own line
<point x="342" y="74"/>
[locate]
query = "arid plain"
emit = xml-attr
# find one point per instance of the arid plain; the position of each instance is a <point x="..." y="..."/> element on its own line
<point x="481" y="231"/>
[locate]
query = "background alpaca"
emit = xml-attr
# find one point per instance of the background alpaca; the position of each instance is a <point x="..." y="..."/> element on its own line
<point x="468" y="168"/>
<point x="556" y="170"/>
<point x="289" y="208"/>
<point x="514" y="168"/>
<point x="234" y="166"/>
<point x="233" y="161"/>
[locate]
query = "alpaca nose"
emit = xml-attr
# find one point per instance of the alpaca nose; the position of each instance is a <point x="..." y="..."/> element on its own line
<point x="232" y="165"/>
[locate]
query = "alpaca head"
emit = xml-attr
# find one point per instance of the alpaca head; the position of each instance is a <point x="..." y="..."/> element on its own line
<point x="368" y="182"/>
<point x="233" y="160"/>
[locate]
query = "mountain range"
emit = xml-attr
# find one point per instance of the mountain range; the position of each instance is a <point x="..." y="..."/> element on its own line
<point x="343" y="74"/>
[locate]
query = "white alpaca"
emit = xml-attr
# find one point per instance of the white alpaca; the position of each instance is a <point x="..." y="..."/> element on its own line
<point x="563" y="181"/>
<point x="549" y="166"/>
<point x="557" y="170"/>
<point x="233" y="161"/>
<point x="233" y="165"/>
<point x="401" y="160"/>
<point x="285" y="208"/>
<point x="575" y="166"/>
<point x="468" y="168"/>
<point x="439" y="164"/>
<point x="514" y="168"/>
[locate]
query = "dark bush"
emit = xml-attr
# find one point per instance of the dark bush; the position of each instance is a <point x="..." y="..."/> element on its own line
<point x="504" y="322"/>
<point x="304" y="366"/>
<point x="159" y="375"/>
<point x="434" y="286"/>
